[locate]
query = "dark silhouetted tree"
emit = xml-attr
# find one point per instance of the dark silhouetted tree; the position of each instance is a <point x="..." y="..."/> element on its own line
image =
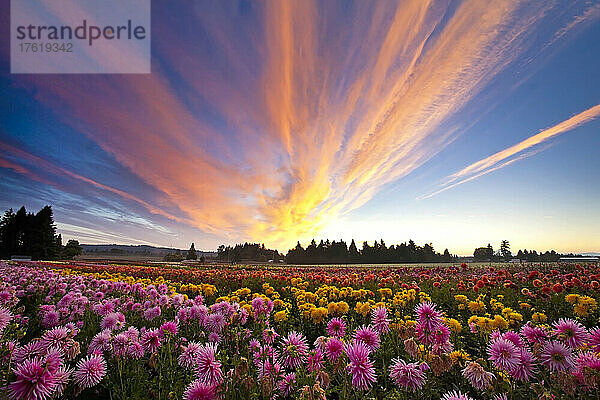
<point x="71" y="249"/>
<point x="334" y="252"/>
<point x="191" y="254"/>
<point x="23" y="233"/>
<point x="505" y="250"/>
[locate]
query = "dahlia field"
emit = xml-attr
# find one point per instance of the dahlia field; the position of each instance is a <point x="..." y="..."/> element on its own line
<point x="91" y="331"/>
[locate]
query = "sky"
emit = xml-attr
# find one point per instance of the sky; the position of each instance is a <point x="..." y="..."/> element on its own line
<point x="459" y="123"/>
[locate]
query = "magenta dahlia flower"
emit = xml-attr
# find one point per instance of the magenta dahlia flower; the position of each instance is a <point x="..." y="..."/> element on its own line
<point x="428" y="316"/>
<point x="100" y="342"/>
<point x="594" y="340"/>
<point x="214" y="337"/>
<point x="113" y="321"/>
<point x="33" y="381"/>
<point x="199" y="390"/>
<point x="570" y="332"/>
<point x="187" y="359"/>
<point x="294" y="350"/>
<point x="503" y="353"/>
<point x="169" y="327"/>
<point x="556" y="356"/>
<point x="534" y="334"/>
<point x="208" y="368"/>
<point x="260" y="307"/>
<point x="120" y="343"/>
<point x="90" y="371"/>
<point x="368" y="336"/>
<point x="50" y="319"/>
<point x="407" y="376"/>
<point x="270" y="335"/>
<point x="425" y="335"/>
<point x="132" y="333"/>
<point x="62" y="375"/>
<point x="55" y="338"/>
<point x="215" y="322"/>
<point x="441" y="335"/>
<point x="29" y="350"/>
<point x="361" y="368"/>
<point x="513" y="337"/>
<point x="336" y="327"/>
<point x="320" y="342"/>
<point x="254" y="345"/>
<point x="265" y="360"/>
<point x="334" y="348"/>
<point x="271" y="369"/>
<point x="151" y="340"/>
<point x="152" y="312"/>
<point x="5" y="318"/>
<point x="456" y="395"/>
<point x="315" y="360"/>
<point x="586" y="359"/>
<point x="286" y="384"/>
<point x="380" y="320"/>
<point x="525" y="369"/>
<point x="135" y="350"/>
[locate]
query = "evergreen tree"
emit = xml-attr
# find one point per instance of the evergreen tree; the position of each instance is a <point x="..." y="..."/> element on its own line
<point x="23" y="233"/>
<point x="505" y="250"/>
<point x="8" y="234"/>
<point x="447" y="257"/>
<point x="191" y="254"/>
<point x="353" y="255"/>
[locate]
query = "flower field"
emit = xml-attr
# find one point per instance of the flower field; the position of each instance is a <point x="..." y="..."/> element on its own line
<point x="90" y="331"/>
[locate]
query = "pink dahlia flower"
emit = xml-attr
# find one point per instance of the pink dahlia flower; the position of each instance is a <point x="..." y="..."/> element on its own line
<point x="361" y="368"/>
<point x="90" y="371"/>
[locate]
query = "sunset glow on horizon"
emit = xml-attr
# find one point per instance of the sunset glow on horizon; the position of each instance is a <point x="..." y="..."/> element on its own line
<point x="456" y="123"/>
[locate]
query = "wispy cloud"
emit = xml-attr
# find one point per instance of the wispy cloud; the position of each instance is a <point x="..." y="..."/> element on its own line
<point x="93" y="236"/>
<point x="47" y="167"/>
<point x="519" y="151"/>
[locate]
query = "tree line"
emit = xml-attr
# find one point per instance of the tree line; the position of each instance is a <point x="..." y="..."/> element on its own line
<point x="487" y="253"/>
<point x="332" y="252"/>
<point x="247" y="252"/>
<point x="33" y="235"/>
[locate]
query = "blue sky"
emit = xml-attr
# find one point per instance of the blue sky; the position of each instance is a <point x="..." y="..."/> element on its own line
<point x="457" y="123"/>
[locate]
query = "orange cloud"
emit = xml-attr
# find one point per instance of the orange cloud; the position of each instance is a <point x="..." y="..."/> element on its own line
<point x="388" y="120"/>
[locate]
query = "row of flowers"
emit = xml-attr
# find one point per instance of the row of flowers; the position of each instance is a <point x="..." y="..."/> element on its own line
<point x="528" y="288"/>
<point x="70" y="332"/>
<point x="540" y="280"/>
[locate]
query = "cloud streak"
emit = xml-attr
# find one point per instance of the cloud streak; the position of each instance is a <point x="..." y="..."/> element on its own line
<point x="521" y="150"/>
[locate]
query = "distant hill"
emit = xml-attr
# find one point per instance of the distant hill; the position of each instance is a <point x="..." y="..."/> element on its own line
<point x="137" y="250"/>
